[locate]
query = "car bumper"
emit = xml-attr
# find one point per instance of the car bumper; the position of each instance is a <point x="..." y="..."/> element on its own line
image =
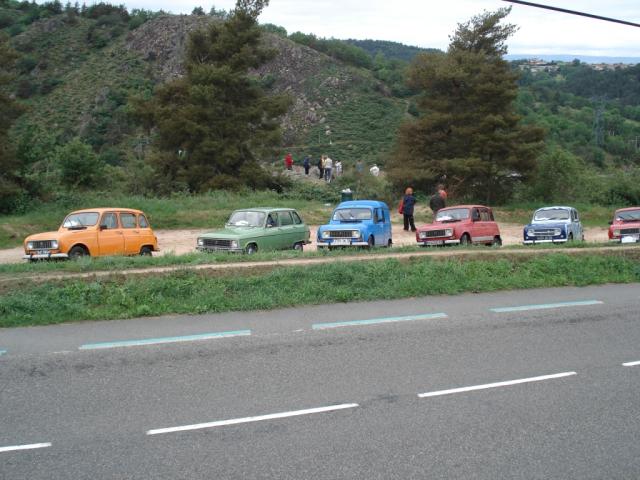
<point x="352" y="244"/>
<point x="626" y="239"/>
<point x="434" y="243"/>
<point x="557" y="240"/>
<point x="219" y="249"/>
<point x="43" y="256"/>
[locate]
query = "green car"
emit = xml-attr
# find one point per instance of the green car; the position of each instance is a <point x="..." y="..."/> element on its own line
<point x="257" y="229"/>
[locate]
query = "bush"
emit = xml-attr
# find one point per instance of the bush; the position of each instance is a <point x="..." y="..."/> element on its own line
<point x="79" y="165"/>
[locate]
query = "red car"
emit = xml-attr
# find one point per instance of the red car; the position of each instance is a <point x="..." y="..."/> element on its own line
<point x="463" y="224"/>
<point x="625" y="227"/>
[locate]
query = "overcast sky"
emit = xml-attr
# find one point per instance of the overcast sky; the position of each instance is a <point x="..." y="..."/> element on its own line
<point x="428" y="23"/>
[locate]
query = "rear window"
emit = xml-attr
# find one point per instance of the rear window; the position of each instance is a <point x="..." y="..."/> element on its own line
<point x="285" y="219"/>
<point x="143" y="221"/>
<point x="128" y="220"/>
<point x="296" y="218"/>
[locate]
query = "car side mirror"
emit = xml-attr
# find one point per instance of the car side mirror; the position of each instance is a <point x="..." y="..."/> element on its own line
<point x="103" y="227"/>
<point x="610" y="222"/>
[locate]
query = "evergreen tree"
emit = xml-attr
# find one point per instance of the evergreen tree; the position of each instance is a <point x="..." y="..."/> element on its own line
<point x="212" y="124"/>
<point x="467" y="129"/>
<point x="10" y="110"/>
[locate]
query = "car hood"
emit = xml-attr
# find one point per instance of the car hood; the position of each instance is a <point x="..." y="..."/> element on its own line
<point x="548" y="224"/>
<point x="234" y="233"/>
<point x="43" y="236"/>
<point x="626" y="225"/>
<point x="343" y="226"/>
<point x="438" y="226"/>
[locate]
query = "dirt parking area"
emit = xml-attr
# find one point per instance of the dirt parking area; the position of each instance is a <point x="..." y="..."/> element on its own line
<point x="183" y="241"/>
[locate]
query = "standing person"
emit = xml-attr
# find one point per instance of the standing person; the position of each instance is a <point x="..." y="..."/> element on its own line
<point x="328" y="168"/>
<point x="321" y="166"/>
<point x="288" y="162"/>
<point x="338" y="168"/>
<point x="375" y="170"/>
<point x="436" y="202"/>
<point x="408" y="202"/>
<point x="306" y="164"/>
<point x="442" y="192"/>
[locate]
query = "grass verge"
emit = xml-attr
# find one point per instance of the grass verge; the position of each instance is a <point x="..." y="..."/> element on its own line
<point x="186" y="292"/>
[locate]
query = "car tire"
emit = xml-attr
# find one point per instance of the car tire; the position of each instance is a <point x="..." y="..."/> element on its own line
<point x="299" y="247"/>
<point x="390" y="243"/>
<point x="146" y="251"/>
<point x="570" y="237"/>
<point x="77" y="251"/>
<point x="465" y="239"/>
<point x="497" y="241"/>
<point x="370" y="243"/>
<point x="251" y="249"/>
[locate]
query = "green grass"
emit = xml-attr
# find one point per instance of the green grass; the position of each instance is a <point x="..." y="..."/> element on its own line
<point x="192" y="292"/>
<point x="176" y="212"/>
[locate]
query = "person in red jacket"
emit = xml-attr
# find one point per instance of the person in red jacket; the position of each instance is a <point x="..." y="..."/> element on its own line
<point x="288" y="162"/>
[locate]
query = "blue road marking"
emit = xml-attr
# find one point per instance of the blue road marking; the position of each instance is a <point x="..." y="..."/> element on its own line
<point x="156" y="341"/>
<point x="374" y="321"/>
<point x="545" y="306"/>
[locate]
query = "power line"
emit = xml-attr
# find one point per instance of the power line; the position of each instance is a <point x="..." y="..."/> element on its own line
<point x="573" y="12"/>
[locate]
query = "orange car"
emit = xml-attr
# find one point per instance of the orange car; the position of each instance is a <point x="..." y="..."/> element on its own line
<point x="95" y="232"/>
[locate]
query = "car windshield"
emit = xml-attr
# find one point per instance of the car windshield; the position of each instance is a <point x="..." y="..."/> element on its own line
<point x="629" y="216"/>
<point x="75" y="220"/>
<point x="247" y="219"/>
<point x="352" y="214"/>
<point x="452" y="215"/>
<point x="551" y="214"/>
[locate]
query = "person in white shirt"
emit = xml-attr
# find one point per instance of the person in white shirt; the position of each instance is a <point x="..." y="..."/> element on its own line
<point x="375" y="171"/>
<point x="338" y="168"/>
<point x="328" y="168"/>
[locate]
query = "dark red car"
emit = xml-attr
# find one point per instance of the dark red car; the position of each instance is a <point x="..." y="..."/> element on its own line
<point x="625" y="227"/>
<point x="463" y="224"/>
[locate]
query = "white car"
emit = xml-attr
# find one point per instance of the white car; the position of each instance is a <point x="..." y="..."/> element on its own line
<point x="554" y="225"/>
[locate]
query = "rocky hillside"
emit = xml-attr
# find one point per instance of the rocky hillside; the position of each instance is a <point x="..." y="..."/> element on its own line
<point x="78" y="78"/>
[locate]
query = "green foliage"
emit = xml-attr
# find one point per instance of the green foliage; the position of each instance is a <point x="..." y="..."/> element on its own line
<point x="79" y="165"/>
<point x="213" y="123"/>
<point x="275" y="29"/>
<point x="390" y="50"/>
<point x="469" y="132"/>
<point x="338" y="49"/>
<point x="193" y="292"/>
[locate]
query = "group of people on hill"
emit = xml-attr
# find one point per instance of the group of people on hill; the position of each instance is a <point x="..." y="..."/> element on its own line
<point x="407" y="204"/>
<point x="328" y="169"/>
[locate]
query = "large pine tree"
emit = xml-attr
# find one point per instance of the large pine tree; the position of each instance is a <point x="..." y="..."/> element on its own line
<point x="212" y="124"/>
<point x="9" y="111"/>
<point x="467" y="130"/>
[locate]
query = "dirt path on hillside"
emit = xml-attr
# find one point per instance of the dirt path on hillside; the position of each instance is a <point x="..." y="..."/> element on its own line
<point x="180" y="242"/>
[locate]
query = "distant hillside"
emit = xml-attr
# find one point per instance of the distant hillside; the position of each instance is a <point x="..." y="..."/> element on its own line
<point x="391" y="50"/>
<point x="570" y="58"/>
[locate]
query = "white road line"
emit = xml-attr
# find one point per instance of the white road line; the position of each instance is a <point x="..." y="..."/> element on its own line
<point x="24" y="447"/>
<point x="236" y="421"/>
<point x="495" y="385"/>
<point x="158" y="341"/>
<point x="375" y="321"/>
<point x="631" y="364"/>
<point x="544" y="306"/>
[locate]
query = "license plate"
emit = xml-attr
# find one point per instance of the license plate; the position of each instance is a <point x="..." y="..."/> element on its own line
<point x="630" y="239"/>
<point x="341" y="241"/>
<point x="42" y="252"/>
<point x="434" y="242"/>
<point x="544" y="238"/>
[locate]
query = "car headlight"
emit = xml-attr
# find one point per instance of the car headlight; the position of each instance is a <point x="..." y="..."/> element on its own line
<point x="234" y="244"/>
<point x="557" y="231"/>
<point x="29" y="245"/>
<point x="325" y="234"/>
<point x="200" y="242"/>
<point x="448" y="232"/>
<point x="54" y="244"/>
<point x="355" y="234"/>
<point x="423" y="234"/>
<point x="616" y="233"/>
<point x="530" y="233"/>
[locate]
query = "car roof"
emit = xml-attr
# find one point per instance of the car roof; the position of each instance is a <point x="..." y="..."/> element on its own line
<point x="266" y="209"/>
<point x="465" y="206"/>
<point x="362" y="203"/>
<point x="563" y="207"/>
<point x="105" y="209"/>
<point x="626" y="209"/>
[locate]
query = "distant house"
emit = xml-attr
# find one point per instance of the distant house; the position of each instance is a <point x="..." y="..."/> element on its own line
<point x="536" y="65"/>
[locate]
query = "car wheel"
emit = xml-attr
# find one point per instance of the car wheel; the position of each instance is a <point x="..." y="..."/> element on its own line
<point x="370" y="243"/>
<point x="497" y="241"/>
<point x="570" y="238"/>
<point x="465" y="239"/>
<point x="146" y="251"/>
<point x="298" y="246"/>
<point x="77" y="252"/>
<point x="389" y="243"/>
<point x="251" y="249"/>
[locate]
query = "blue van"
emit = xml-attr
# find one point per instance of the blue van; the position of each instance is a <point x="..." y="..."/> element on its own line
<point x="357" y="223"/>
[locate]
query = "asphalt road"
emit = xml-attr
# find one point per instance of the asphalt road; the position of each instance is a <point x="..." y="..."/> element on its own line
<point x="76" y="403"/>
